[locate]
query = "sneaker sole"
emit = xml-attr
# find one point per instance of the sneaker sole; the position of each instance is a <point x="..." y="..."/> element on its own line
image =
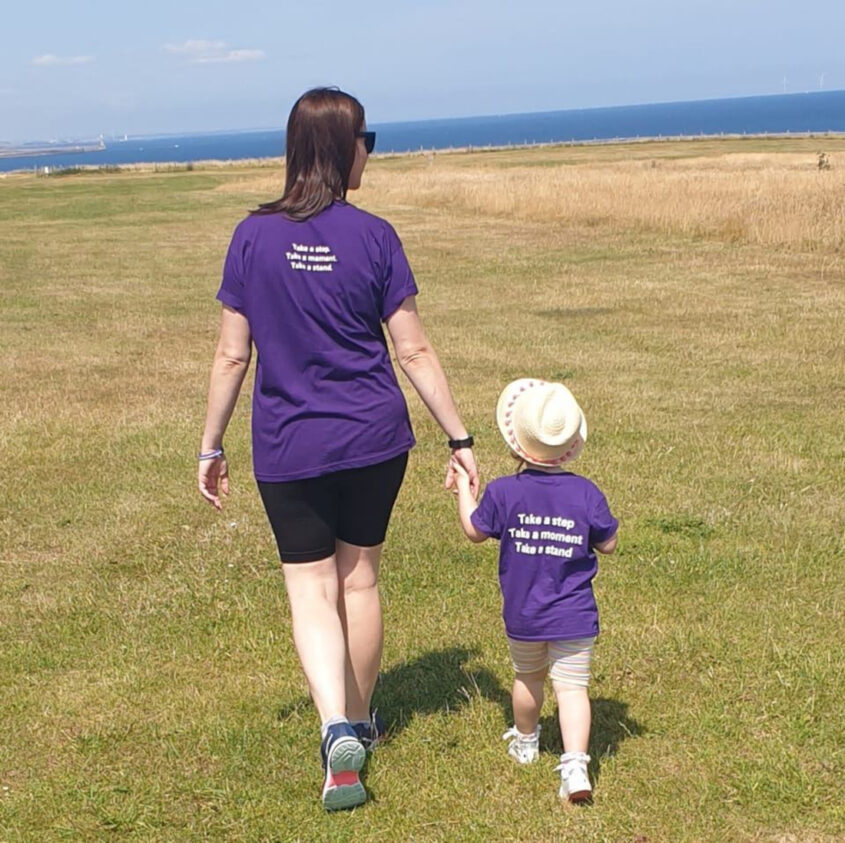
<point x="580" y="796"/>
<point x="343" y="788"/>
<point x="341" y="797"/>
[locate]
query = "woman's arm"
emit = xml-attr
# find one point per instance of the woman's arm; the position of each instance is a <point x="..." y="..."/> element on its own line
<point x="419" y="362"/>
<point x="231" y="361"/>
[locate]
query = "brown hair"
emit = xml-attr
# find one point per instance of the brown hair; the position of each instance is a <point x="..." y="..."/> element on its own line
<point x="320" y="151"/>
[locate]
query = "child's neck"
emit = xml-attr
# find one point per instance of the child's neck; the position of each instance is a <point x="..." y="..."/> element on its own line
<point x="546" y="469"/>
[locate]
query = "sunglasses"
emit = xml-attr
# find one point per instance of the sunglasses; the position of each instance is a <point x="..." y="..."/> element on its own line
<point x="369" y="140"/>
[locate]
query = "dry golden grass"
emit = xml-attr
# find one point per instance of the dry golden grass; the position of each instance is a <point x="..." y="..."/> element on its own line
<point x="774" y="199"/>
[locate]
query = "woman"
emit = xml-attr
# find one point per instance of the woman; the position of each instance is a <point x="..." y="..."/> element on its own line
<point x="309" y="279"/>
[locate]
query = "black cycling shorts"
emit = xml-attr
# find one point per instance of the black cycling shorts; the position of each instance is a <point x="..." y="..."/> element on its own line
<point x="352" y="505"/>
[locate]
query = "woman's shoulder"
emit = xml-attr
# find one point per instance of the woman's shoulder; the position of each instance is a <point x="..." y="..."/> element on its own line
<point x="253" y="223"/>
<point x="365" y="220"/>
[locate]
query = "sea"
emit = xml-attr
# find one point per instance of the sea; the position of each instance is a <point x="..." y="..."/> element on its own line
<point x="814" y="112"/>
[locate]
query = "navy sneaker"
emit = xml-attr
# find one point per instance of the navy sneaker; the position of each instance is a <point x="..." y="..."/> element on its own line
<point x="372" y="733"/>
<point x="343" y="756"/>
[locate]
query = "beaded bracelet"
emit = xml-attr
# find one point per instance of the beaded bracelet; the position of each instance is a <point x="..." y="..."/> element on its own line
<point x="210" y="455"/>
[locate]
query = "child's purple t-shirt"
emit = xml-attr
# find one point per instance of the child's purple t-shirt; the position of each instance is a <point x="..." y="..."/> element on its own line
<point x="547" y="525"/>
<point x="315" y="294"/>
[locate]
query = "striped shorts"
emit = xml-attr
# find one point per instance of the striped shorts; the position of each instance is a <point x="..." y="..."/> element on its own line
<point x="568" y="661"/>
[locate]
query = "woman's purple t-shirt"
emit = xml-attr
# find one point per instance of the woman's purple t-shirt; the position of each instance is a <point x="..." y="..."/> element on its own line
<point x="315" y="294"/>
<point x="547" y="525"/>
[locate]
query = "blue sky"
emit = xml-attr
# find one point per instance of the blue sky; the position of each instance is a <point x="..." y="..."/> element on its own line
<point x="76" y="70"/>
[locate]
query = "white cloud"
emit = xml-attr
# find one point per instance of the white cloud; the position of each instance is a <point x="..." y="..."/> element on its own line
<point x="211" y="52"/>
<point x="195" y="48"/>
<point x="49" y="60"/>
<point x="237" y="55"/>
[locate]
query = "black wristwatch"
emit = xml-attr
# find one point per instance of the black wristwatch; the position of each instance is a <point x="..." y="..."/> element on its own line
<point x="454" y="444"/>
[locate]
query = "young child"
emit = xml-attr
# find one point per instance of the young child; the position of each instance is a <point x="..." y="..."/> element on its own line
<point x="549" y="523"/>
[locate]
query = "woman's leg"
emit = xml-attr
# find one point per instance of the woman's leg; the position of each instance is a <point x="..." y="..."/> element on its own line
<point x="359" y="609"/>
<point x="366" y="500"/>
<point x="318" y="632"/>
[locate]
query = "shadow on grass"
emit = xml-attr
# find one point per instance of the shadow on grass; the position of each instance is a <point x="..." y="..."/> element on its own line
<point x="435" y="681"/>
<point x="439" y="681"/>
<point x="611" y="726"/>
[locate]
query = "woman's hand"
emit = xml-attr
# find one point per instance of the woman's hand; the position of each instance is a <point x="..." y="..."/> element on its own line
<point x="462" y="462"/>
<point x="212" y="479"/>
<point x="231" y="361"/>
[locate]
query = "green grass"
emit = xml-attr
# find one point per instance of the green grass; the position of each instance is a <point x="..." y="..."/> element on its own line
<point x="150" y="688"/>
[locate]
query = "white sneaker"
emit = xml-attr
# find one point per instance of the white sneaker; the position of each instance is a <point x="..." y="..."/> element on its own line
<point x="574" y="781"/>
<point x="524" y="748"/>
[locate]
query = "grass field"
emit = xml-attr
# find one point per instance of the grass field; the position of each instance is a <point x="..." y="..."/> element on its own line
<point x="692" y="295"/>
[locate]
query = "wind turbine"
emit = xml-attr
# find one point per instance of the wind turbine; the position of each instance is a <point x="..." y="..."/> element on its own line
<point x="821" y="82"/>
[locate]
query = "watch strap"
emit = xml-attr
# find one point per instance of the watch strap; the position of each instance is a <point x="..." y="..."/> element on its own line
<point x="455" y="444"/>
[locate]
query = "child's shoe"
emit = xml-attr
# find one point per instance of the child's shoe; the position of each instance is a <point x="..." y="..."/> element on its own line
<point x="524" y="748"/>
<point x="574" y="781"/>
<point x="343" y="756"/>
<point x="372" y="732"/>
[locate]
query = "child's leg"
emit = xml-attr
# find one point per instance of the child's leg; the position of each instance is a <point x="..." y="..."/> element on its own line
<point x="528" y="700"/>
<point x="530" y="663"/>
<point x="570" y="674"/>
<point x="573" y="706"/>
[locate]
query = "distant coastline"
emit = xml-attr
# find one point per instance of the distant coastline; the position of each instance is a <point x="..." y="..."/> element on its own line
<point x="790" y="115"/>
<point x="610" y="142"/>
<point x="37" y="150"/>
<point x="215" y="163"/>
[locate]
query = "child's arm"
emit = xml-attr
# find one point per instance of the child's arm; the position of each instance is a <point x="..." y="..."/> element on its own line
<point x="608" y="545"/>
<point x="602" y="522"/>
<point x="466" y="504"/>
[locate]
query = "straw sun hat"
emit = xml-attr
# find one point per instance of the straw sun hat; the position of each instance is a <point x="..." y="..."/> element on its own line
<point x="541" y="422"/>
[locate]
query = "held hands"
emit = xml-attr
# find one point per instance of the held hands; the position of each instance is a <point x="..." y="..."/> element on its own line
<point x="462" y="473"/>
<point x="213" y="478"/>
<point x="467" y="493"/>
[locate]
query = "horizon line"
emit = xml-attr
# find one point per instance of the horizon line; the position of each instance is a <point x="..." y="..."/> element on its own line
<point x="276" y="128"/>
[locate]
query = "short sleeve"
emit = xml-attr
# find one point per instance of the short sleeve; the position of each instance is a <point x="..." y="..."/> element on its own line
<point x="231" y="290"/>
<point x="603" y="525"/>
<point x="398" y="281"/>
<point x="487" y="517"/>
